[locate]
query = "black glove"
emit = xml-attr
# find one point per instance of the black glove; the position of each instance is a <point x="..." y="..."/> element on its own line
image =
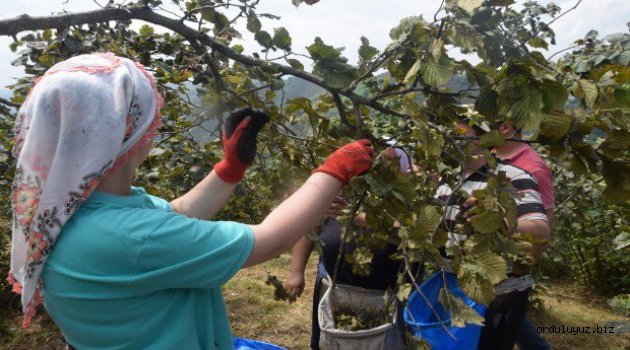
<point x="246" y="146"/>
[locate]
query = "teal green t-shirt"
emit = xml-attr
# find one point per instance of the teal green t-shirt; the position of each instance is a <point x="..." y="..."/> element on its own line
<point x="127" y="272"/>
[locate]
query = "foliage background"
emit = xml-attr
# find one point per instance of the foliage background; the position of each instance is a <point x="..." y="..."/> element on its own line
<point x="577" y="108"/>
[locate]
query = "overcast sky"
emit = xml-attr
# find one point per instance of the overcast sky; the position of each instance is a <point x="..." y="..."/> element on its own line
<point x="341" y="23"/>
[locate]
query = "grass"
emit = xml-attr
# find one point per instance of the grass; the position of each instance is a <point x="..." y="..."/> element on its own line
<point x="254" y="314"/>
<point x="568" y="305"/>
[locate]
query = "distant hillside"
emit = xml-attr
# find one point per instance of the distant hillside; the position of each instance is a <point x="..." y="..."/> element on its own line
<point x="296" y="87"/>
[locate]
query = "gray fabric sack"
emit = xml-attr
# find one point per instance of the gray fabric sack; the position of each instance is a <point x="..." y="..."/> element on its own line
<point x="383" y="337"/>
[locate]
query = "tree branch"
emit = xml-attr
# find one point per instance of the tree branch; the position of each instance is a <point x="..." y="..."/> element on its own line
<point x="22" y="23"/>
<point x="9" y="103"/>
<point x="12" y="26"/>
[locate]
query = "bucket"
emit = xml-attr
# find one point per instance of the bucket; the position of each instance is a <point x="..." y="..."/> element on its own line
<point x="425" y="325"/>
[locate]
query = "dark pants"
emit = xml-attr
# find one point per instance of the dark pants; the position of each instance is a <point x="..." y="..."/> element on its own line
<point x="504" y="317"/>
<point x="528" y="337"/>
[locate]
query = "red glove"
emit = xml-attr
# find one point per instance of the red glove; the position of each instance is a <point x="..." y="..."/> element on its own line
<point x="239" y="143"/>
<point x="349" y="161"/>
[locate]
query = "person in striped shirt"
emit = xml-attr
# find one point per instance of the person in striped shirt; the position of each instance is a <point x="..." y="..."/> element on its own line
<point x="524" y="156"/>
<point x="506" y="312"/>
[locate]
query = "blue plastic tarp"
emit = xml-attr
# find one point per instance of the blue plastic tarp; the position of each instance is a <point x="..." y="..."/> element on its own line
<point x="248" y="344"/>
<point x="426" y="325"/>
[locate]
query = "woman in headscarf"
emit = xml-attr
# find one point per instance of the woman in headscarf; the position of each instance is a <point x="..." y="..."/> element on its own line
<point x="115" y="267"/>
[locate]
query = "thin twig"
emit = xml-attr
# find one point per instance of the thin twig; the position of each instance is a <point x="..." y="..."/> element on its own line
<point x="435" y="19"/>
<point x="346" y="233"/>
<point x="563" y="50"/>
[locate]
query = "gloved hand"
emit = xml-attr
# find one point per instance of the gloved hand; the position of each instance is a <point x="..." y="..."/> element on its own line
<point x="239" y="143"/>
<point x="348" y="161"/>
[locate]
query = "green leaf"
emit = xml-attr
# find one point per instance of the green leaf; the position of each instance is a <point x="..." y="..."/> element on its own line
<point x="296" y="3"/>
<point x="295" y="63"/>
<point x="486" y="104"/>
<point x="492" y="138"/>
<point x="538" y="42"/>
<point x="411" y="106"/>
<point x="479" y="289"/>
<point x="276" y="84"/>
<point x="487" y="222"/>
<point x="500" y="2"/>
<point x="512" y="87"/>
<point x="47" y="34"/>
<point x="403" y="292"/>
<point x="146" y="31"/>
<point x="477" y="244"/>
<point x="14" y="46"/>
<point x="428" y="219"/>
<point x="494" y="266"/>
<point x="361" y="259"/>
<point x="336" y="73"/>
<point x="555" y="125"/>
<point x="590" y="92"/>
<point x="618" y="139"/>
<point x="406" y="25"/>
<point x="436" y="49"/>
<point x="554" y="96"/>
<point x="366" y="52"/>
<point x="582" y="65"/>
<point x="282" y="39"/>
<point x="438" y="73"/>
<point x="526" y="111"/>
<point x="253" y="23"/>
<point x="163" y="66"/>
<point x="220" y="21"/>
<point x="469" y="5"/>
<point x="413" y="71"/>
<point x="622" y="240"/>
<point x="461" y="313"/>
<point x="46" y="60"/>
<point x="464" y="35"/>
<point x="440" y="238"/>
<point x="319" y="50"/>
<point x="264" y="39"/>
<point x="622" y="95"/>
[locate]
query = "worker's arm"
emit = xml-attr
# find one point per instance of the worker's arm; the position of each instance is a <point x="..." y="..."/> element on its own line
<point x="299" y="213"/>
<point x="300" y="253"/>
<point x="205" y="199"/>
<point x="541" y="232"/>
<point x="239" y="149"/>
<point x="532" y="220"/>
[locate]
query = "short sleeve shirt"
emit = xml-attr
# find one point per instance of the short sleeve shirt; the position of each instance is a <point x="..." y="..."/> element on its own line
<point x="528" y="200"/>
<point x="127" y="272"/>
<point x="530" y="161"/>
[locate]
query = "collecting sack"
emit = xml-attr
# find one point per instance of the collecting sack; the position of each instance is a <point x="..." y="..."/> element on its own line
<point x="344" y="308"/>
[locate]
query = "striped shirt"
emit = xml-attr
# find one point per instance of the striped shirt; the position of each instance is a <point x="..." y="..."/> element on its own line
<point x="529" y="206"/>
<point x="529" y="160"/>
<point x="528" y="200"/>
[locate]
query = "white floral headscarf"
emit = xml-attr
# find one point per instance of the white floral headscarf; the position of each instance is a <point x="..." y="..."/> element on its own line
<point x="81" y="120"/>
